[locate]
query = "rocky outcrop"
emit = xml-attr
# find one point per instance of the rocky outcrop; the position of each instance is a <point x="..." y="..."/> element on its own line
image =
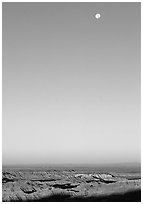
<point x="28" y="189"/>
<point x="8" y="177"/>
<point x="104" y="177"/>
<point x="65" y="186"/>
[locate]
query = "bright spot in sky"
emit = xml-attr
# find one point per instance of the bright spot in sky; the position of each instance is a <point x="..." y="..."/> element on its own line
<point x="97" y="15"/>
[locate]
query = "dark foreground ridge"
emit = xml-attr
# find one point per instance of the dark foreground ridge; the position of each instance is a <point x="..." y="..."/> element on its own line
<point x="132" y="196"/>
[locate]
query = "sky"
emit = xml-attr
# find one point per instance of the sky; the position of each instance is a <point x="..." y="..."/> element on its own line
<point x="71" y="83"/>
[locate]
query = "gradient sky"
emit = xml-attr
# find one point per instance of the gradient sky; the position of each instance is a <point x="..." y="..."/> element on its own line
<point x="71" y="83"/>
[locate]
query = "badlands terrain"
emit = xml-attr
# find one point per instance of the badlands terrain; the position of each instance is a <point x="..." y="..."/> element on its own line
<point x="70" y="184"/>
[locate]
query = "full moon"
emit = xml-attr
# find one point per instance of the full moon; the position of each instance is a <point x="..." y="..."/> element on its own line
<point x="97" y="15"/>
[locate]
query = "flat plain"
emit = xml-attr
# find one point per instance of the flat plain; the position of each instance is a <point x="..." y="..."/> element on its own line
<point x="71" y="184"/>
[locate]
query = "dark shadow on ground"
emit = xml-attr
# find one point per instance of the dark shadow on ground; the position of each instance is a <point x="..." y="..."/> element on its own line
<point x="132" y="196"/>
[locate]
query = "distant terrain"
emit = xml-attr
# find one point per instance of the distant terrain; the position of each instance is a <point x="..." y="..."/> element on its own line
<point x="71" y="184"/>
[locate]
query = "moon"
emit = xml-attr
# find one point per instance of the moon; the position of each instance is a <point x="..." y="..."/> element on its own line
<point x="97" y="15"/>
